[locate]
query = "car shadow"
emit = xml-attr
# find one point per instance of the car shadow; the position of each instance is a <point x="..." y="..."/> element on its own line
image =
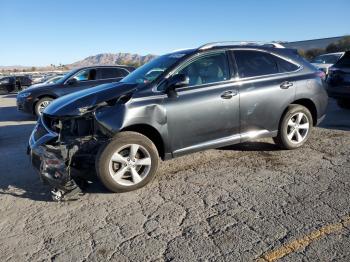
<point x="18" y="178"/>
<point x="10" y="95"/>
<point x="336" y="118"/>
<point x="252" y="146"/>
<point x="7" y="114"/>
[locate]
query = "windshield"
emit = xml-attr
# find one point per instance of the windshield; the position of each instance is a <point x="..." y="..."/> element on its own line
<point x="53" y="79"/>
<point x="344" y="62"/>
<point x="326" y="59"/>
<point x="150" y="71"/>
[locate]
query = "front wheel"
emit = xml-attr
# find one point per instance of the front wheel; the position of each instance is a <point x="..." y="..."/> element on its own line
<point x="128" y="162"/>
<point x="295" y="127"/>
<point x="41" y="105"/>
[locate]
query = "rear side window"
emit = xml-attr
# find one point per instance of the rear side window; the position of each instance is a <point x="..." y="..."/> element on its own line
<point x="255" y="63"/>
<point x="107" y="73"/>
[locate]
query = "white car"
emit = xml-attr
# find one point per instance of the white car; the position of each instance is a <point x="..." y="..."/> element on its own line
<point x="323" y="62"/>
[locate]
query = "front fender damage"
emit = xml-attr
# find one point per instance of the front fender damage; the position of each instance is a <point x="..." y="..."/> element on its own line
<point x="63" y="151"/>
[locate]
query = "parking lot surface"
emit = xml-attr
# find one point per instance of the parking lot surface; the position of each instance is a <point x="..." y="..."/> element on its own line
<point x="250" y="202"/>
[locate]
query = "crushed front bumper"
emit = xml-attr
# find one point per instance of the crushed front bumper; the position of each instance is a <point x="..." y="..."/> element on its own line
<point x="48" y="162"/>
<point x="52" y="170"/>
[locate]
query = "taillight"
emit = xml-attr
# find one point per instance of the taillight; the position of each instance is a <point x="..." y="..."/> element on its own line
<point x="321" y="74"/>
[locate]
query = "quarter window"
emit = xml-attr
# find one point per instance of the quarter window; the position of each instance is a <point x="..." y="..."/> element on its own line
<point x="208" y="69"/>
<point x="285" y="66"/>
<point x="255" y="63"/>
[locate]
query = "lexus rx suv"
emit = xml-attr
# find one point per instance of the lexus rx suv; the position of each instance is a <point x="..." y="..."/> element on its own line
<point x="179" y="103"/>
<point x="34" y="99"/>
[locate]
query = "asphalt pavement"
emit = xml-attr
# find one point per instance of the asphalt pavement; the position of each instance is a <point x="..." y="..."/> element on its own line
<point x="249" y="202"/>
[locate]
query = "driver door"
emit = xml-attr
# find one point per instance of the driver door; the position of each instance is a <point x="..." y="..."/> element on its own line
<point x="204" y="114"/>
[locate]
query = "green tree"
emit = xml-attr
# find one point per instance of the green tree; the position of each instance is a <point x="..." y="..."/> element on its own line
<point x="339" y="46"/>
<point x="33" y="68"/>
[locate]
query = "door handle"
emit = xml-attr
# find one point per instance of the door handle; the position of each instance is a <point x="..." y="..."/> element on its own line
<point x="286" y="85"/>
<point x="229" y="94"/>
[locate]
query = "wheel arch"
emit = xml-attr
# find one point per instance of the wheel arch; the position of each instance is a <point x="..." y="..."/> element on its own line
<point x="308" y="103"/>
<point x="150" y="132"/>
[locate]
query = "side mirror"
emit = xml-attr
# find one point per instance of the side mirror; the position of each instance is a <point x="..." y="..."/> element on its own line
<point x="176" y="81"/>
<point x="72" y="81"/>
<point x="179" y="80"/>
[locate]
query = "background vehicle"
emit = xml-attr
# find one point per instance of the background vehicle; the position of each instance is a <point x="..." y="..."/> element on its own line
<point x="7" y="84"/>
<point x="323" y="62"/>
<point x="210" y="97"/>
<point x="50" y="80"/>
<point x="339" y="81"/>
<point x="14" y="83"/>
<point x="34" y="99"/>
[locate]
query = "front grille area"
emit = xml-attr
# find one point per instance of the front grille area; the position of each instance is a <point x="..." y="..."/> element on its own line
<point x="51" y="123"/>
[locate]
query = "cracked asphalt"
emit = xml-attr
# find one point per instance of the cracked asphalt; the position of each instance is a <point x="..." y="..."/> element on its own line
<point x="249" y="202"/>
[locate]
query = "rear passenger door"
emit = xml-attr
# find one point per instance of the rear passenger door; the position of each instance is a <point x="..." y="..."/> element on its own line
<point x="111" y="74"/>
<point x="267" y="86"/>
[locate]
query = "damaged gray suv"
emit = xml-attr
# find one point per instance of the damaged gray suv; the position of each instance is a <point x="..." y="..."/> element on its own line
<point x="216" y="95"/>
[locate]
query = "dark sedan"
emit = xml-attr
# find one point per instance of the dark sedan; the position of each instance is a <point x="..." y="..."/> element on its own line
<point x="34" y="99"/>
<point x="14" y="83"/>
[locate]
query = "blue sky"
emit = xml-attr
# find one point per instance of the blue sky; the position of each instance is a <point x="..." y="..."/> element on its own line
<point x="39" y="32"/>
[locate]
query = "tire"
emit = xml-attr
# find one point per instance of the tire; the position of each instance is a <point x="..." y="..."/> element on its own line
<point x="295" y="127"/>
<point x="344" y="103"/>
<point x="118" y="174"/>
<point x="41" y="105"/>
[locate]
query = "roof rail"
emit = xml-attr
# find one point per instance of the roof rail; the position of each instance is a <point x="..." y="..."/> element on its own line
<point x="260" y="43"/>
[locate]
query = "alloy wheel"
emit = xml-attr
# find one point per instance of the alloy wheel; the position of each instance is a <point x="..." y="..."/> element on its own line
<point x="297" y="128"/>
<point x="43" y="105"/>
<point x="130" y="164"/>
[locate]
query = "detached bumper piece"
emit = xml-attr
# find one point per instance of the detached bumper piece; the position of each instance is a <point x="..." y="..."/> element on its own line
<point x="54" y="172"/>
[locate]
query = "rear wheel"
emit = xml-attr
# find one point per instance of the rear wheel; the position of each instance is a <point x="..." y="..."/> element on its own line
<point x="128" y="162"/>
<point x="41" y="105"/>
<point x="295" y="127"/>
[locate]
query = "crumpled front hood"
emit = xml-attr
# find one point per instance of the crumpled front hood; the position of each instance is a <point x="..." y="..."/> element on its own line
<point x="69" y="105"/>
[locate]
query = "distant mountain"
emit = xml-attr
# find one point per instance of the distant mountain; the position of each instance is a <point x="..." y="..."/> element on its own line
<point x="112" y="59"/>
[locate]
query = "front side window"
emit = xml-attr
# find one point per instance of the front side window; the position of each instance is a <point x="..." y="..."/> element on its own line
<point x="207" y="69"/>
<point x="86" y="75"/>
